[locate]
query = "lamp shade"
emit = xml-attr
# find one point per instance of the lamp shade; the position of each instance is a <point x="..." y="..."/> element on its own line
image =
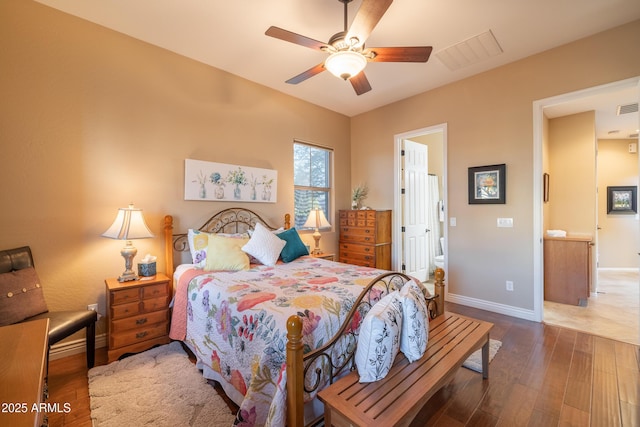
<point x="345" y="63"/>
<point x="129" y="224"/>
<point x="316" y="219"/>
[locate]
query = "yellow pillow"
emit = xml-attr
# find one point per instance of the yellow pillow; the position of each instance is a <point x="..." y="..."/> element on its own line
<point x="225" y="253"/>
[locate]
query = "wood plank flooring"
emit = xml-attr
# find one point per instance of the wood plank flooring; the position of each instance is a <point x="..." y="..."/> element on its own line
<point x="542" y="376"/>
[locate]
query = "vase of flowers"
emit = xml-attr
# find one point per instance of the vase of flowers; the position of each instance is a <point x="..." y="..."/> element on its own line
<point x="237" y="178"/>
<point x="202" y="180"/>
<point x="358" y="195"/>
<point x="253" y="183"/>
<point x="216" y="179"/>
<point x="266" y="187"/>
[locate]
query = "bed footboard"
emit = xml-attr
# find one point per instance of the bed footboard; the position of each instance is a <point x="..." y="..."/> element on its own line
<point x="308" y="373"/>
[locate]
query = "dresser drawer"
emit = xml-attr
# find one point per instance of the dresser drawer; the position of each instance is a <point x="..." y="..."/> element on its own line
<point x="357" y="249"/>
<point x="358" y="261"/>
<point x="357" y="257"/>
<point x="125" y="310"/>
<point x="155" y="304"/>
<point x="124" y="296"/>
<point x="355" y="234"/>
<point x="133" y="336"/>
<point x="140" y="321"/>
<point x="155" y="291"/>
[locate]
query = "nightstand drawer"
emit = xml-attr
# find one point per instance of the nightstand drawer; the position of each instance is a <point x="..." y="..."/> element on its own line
<point x="155" y="304"/>
<point x="124" y="296"/>
<point x="136" y="335"/>
<point x="140" y="321"/>
<point x="155" y="291"/>
<point x="125" y="310"/>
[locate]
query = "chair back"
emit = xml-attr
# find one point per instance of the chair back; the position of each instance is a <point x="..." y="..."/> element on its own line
<point x="15" y="259"/>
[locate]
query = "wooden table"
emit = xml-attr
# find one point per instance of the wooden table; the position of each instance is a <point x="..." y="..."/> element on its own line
<point x="23" y="371"/>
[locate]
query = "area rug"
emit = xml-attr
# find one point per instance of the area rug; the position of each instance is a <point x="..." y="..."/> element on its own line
<point x="159" y="387"/>
<point x="474" y="362"/>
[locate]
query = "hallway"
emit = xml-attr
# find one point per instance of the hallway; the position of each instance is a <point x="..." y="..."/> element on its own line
<point x="614" y="313"/>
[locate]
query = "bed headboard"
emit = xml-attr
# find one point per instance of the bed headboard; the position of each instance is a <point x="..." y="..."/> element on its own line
<point x="232" y="220"/>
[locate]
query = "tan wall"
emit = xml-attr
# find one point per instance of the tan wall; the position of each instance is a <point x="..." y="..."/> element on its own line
<point x="489" y="120"/>
<point x="617" y="238"/>
<point x="91" y="120"/>
<point x="572" y="170"/>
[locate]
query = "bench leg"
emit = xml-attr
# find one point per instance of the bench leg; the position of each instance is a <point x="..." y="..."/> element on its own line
<point x="91" y="345"/>
<point x="485" y="360"/>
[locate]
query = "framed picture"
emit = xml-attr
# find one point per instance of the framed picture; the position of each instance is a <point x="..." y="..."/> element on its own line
<point x="622" y="200"/>
<point x="487" y="185"/>
<point x="223" y="182"/>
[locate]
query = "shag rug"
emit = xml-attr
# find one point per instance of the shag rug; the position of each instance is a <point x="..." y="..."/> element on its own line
<point x="474" y="362"/>
<point x="159" y="387"/>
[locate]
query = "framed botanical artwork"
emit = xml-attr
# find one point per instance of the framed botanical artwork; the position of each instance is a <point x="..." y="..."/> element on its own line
<point x="487" y="184"/>
<point x="622" y="200"/>
<point x="223" y="182"/>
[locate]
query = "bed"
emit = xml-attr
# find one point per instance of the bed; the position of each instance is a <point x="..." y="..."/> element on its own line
<point x="272" y="336"/>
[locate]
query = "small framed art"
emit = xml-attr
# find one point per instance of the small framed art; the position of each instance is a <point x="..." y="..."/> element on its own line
<point x="487" y="184"/>
<point x="622" y="200"/>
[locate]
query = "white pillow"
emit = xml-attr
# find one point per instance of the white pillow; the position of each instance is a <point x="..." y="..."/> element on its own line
<point x="415" y="322"/>
<point x="264" y="245"/>
<point x="379" y="338"/>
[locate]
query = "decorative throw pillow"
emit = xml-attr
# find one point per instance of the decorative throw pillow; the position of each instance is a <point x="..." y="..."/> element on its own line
<point x="199" y="243"/>
<point x="21" y="296"/>
<point x="415" y="322"/>
<point x="264" y="245"/>
<point x="294" y="248"/>
<point x="225" y="253"/>
<point x="379" y="338"/>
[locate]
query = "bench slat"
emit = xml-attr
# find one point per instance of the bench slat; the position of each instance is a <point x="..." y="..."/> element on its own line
<point x="396" y="399"/>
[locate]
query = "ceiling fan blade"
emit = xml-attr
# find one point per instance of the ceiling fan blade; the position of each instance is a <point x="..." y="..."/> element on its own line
<point x="401" y="54"/>
<point x="291" y="37"/>
<point x="306" y="74"/>
<point x="368" y="16"/>
<point x="360" y="83"/>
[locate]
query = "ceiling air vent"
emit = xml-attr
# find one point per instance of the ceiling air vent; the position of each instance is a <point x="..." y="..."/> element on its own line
<point x="627" y="109"/>
<point x="470" y="51"/>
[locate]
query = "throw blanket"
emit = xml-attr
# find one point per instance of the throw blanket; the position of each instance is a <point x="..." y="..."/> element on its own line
<point x="236" y="325"/>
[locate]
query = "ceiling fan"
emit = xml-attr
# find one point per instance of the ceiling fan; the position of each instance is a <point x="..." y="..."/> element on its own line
<point x="347" y="53"/>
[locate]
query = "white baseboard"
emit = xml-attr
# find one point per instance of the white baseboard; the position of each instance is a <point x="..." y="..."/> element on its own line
<point x="508" y="310"/>
<point x="69" y="348"/>
<point x="618" y="269"/>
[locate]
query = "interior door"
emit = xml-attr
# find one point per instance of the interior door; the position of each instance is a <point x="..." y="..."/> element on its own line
<point x="416" y="170"/>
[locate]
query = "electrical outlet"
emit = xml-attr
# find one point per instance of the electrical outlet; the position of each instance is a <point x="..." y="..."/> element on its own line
<point x="509" y="285"/>
<point x="93" y="307"/>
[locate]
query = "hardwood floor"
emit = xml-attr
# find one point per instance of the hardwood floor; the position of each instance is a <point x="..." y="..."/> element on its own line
<point x="543" y="375"/>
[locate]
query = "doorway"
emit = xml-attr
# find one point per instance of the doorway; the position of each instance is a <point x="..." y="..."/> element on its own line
<point x="435" y="140"/>
<point x="540" y="108"/>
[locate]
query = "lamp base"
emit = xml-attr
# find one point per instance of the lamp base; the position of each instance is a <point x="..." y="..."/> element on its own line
<point x="316" y="237"/>
<point x="128" y="253"/>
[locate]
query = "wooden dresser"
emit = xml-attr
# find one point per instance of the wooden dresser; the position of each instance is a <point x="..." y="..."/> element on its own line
<point x="365" y="238"/>
<point x="567" y="269"/>
<point x="138" y="314"/>
<point x="23" y="373"/>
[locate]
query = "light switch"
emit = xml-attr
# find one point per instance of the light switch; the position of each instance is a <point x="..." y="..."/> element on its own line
<point x="505" y="222"/>
<point x="452" y="221"/>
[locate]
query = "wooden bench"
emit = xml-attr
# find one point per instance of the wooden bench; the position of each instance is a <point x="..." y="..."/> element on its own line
<point x="396" y="399"/>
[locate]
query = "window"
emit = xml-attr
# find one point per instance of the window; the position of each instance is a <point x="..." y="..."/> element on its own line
<point x="311" y="181"/>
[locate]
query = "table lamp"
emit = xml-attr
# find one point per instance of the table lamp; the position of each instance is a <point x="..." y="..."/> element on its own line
<point x="316" y="220"/>
<point x="128" y="225"/>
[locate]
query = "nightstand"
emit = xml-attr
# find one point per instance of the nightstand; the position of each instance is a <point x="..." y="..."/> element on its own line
<point x="138" y="313"/>
<point x="330" y="257"/>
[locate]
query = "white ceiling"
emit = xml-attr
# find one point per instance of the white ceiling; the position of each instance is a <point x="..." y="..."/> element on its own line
<point x="229" y="35"/>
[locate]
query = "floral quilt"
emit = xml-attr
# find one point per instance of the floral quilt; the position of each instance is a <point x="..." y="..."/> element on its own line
<point x="236" y="325"/>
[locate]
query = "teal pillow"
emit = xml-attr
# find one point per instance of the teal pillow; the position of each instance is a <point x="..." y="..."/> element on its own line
<point x="294" y="248"/>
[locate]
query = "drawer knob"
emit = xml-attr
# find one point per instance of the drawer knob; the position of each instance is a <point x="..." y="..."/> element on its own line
<point x="141" y="321"/>
<point x="141" y="334"/>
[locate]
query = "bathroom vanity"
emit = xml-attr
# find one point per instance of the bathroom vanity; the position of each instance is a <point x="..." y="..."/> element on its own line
<point x="567" y="269"/>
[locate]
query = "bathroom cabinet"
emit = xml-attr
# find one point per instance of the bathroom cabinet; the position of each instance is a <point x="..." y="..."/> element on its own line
<point x="567" y="269"/>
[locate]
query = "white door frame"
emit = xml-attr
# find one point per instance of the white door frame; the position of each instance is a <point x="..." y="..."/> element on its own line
<point x="396" y="253"/>
<point x="538" y="120"/>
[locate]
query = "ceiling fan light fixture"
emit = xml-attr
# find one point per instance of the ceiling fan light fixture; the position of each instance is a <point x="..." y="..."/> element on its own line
<point x="345" y="64"/>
